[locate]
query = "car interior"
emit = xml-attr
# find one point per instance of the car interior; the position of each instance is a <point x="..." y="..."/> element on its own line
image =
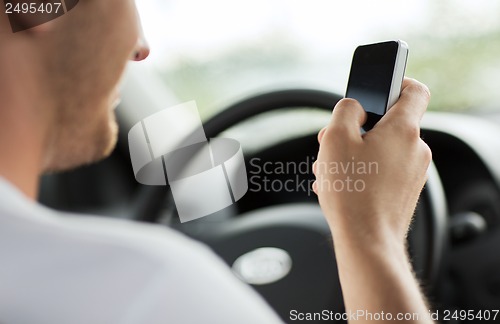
<point x="268" y="74"/>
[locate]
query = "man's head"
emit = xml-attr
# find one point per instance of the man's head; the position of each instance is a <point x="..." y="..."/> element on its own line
<point x="76" y="61"/>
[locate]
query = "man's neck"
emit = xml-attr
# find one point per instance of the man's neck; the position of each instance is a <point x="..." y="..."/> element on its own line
<point x="22" y="134"/>
<point x="19" y="162"/>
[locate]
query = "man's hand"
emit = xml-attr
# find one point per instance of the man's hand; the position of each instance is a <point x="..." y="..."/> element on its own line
<point x="368" y="186"/>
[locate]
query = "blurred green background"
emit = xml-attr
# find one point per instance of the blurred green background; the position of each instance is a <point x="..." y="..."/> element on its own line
<point x="216" y="52"/>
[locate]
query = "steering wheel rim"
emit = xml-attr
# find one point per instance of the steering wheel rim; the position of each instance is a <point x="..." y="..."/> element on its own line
<point x="151" y="199"/>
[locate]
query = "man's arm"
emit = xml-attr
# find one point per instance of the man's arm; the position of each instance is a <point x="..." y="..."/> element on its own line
<point x="382" y="174"/>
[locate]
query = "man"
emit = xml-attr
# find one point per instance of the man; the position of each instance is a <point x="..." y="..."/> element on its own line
<point x="57" y="93"/>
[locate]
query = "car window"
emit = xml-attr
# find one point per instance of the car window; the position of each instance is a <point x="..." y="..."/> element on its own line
<point x="219" y="50"/>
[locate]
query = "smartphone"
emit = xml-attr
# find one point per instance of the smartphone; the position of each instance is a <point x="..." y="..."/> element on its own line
<point x="376" y="77"/>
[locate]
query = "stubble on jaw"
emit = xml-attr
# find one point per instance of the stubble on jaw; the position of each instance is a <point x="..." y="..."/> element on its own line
<point x="79" y="141"/>
<point x="81" y="85"/>
<point x="86" y="59"/>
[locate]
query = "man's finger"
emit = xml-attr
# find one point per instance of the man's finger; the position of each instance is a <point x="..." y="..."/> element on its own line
<point x="411" y="105"/>
<point x="320" y="134"/>
<point x="347" y="118"/>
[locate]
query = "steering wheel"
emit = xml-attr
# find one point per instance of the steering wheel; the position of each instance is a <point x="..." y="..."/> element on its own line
<point x="285" y="250"/>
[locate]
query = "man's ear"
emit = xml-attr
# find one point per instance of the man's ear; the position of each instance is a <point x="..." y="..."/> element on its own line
<point x="36" y="15"/>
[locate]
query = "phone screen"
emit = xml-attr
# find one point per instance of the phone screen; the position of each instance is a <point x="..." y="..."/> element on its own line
<point x="371" y="77"/>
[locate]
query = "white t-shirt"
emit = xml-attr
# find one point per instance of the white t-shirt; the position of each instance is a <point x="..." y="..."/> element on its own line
<point x="68" y="269"/>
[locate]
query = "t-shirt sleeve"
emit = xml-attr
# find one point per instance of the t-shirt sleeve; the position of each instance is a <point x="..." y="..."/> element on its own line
<point x="198" y="287"/>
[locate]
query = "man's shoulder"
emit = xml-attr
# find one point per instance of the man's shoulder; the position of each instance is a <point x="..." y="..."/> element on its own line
<point x="25" y="224"/>
<point x="149" y="242"/>
<point x="126" y="233"/>
<point x="92" y="260"/>
<point x="102" y="270"/>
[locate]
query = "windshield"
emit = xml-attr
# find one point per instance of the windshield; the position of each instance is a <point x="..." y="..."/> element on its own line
<point x="220" y="50"/>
